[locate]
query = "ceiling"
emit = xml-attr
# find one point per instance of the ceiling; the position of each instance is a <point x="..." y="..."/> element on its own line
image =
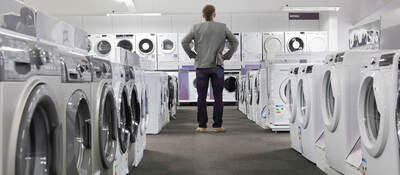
<point x="102" y="7"/>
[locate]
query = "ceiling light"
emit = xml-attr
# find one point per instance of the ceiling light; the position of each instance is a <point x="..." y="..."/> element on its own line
<point x="134" y="14"/>
<point x="119" y="0"/>
<point x="309" y="9"/>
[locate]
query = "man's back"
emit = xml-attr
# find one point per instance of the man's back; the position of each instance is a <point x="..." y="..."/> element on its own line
<point x="209" y="38"/>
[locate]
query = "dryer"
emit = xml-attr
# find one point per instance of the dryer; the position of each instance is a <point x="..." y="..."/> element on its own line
<point x="75" y="108"/>
<point x="339" y="93"/>
<point x="273" y="42"/>
<point x="296" y="41"/>
<point x="184" y="59"/>
<point x="146" y="47"/>
<point x="317" y="41"/>
<point x="310" y="113"/>
<point x="105" y="117"/>
<point x="103" y="46"/>
<point x="168" y="58"/>
<point x="251" y="48"/>
<point x="230" y="86"/>
<point x="236" y="61"/>
<point x="31" y="93"/>
<point x="378" y="113"/>
<point x="126" y="41"/>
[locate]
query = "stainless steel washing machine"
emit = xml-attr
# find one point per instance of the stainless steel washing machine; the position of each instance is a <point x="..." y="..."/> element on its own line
<point x="31" y="119"/>
<point x="75" y="110"/>
<point x="104" y="121"/>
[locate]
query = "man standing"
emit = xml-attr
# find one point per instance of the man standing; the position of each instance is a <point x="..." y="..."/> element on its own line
<point x="209" y="38"/>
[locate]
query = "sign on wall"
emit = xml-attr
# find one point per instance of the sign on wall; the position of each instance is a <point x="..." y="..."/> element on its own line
<point x="303" y="16"/>
<point x="366" y="37"/>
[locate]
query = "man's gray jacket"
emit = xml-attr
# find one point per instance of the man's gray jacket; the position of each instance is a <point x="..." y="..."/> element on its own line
<point x="209" y="42"/>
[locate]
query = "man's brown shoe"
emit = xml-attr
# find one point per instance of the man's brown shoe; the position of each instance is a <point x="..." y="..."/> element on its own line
<point x="201" y="129"/>
<point x="216" y="130"/>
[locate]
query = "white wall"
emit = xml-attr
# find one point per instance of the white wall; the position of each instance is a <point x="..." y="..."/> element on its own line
<point x="183" y="23"/>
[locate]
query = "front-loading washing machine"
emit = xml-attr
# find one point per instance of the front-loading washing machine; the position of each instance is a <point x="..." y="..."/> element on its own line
<point x="296" y="41"/>
<point x="230" y="86"/>
<point x="339" y="94"/>
<point x="105" y="117"/>
<point x="250" y="78"/>
<point x="165" y="99"/>
<point x="184" y="59"/>
<point x="310" y="112"/>
<point x="292" y="105"/>
<point x="256" y="98"/>
<point x="167" y="58"/>
<point x="273" y="42"/>
<point x="242" y="94"/>
<point x="236" y="61"/>
<point x="103" y="46"/>
<point x="173" y="101"/>
<point x="75" y="109"/>
<point x="264" y="98"/>
<point x="155" y="102"/>
<point x="146" y="47"/>
<point x="31" y="94"/>
<point x="378" y="113"/>
<point x="251" y="48"/>
<point x="317" y="41"/>
<point x="126" y="41"/>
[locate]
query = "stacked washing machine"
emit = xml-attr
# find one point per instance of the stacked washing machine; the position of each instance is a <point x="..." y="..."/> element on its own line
<point x="146" y="48"/>
<point x="168" y="58"/>
<point x="273" y="42"/>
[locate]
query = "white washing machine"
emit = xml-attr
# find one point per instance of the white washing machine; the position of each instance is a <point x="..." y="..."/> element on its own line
<point x="378" y="113"/>
<point x="90" y="45"/>
<point x="264" y="98"/>
<point x="173" y="88"/>
<point x="339" y="94"/>
<point x="242" y="94"/>
<point x="31" y="93"/>
<point x="103" y="46"/>
<point x="279" y="83"/>
<point x="251" y="48"/>
<point x="126" y="41"/>
<point x="251" y="74"/>
<point x="310" y="112"/>
<point x="230" y="86"/>
<point x="105" y="118"/>
<point x="296" y="41"/>
<point x="256" y="98"/>
<point x="236" y="61"/>
<point x="75" y="107"/>
<point x="146" y="48"/>
<point x="155" y="102"/>
<point x="165" y="99"/>
<point x="168" y="58"/>
<point x="273" y="42"/>
<point x="317" y="41"/>
<point x="192" y="88"/>
<point x="292" y="106"/>
<point x="183" y="57"/>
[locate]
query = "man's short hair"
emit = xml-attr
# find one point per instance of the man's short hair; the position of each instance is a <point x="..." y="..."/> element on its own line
<point x="208" y="12"/>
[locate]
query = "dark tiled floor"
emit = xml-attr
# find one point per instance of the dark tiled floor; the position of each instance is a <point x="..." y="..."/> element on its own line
<point x="245" y="149"/>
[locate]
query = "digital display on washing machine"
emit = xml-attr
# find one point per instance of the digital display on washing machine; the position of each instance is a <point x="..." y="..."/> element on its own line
<point x="386" y="60"/>
<point x="339" y="58"/>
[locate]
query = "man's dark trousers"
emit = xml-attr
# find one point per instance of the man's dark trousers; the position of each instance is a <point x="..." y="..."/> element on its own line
<point x="203" y="76"/>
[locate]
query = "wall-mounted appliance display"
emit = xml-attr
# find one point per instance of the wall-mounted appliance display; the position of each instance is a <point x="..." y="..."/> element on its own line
<point x="168" y="58"/>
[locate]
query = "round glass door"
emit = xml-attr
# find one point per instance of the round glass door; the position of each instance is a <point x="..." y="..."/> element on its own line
<point x="230" y="84"/>
<point x="330" y="100"/>
<point x="372" y="116"/>
<point x="107" y="128"/>
<point x="39" y="149"/>
<point x="125" y="122"/>
<point x="146" y="46"/>
<point x="168" y="46"/>
<point x="302" y="99"/>
<point x="398" y="116"/>
<point x="289" y="94"/>
<point x="295" y="44"/>
<point x="283" y="90"/>
<point x="125" y="44"/>
<point x="104" y="47"/>
<point x="272" y="45"/>
<point x="136" y="112"/>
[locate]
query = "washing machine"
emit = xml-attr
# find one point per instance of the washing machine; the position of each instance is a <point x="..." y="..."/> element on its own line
<point x="278" y="86"/>
<point x="31" y="93"/>
<point x="184" y="59"/>
<point x="236" y="61"/>
<point x="146" y="47"/>
<point x="250" y="78"/>
<point x="273" y="42"/>
<point x="317" y="41"/>
<point x="251" y="48"/>
<point x="165" y="99"/>
<point x="75" y="108"/>
<point x="378" y="113"/>
<point x="339" y="94"/>
<point x="264" y="98"/>
<point x="90" y="45"/>
<point x="310" y="112"/>
<point x="192" y="88"/>
<point x="242" y="94"/>
<point x="104" y="46"/>
<point x="296" y="42"/>
<point x="230" y="86"/>
<point x="126" y="41"/>
<point x="168" y="58"/>
<point x="173" y="101"/>
<point x="105" y="117"/>
<point x="292" y="106"/>
<point x="256" y="98"/>
<point x="155" y="102"/>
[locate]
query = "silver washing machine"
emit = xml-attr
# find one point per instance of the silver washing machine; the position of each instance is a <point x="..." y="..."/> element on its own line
<point x="104" y="121"/>
<point x="31" y="92"/>
<point x="75" y="110"/>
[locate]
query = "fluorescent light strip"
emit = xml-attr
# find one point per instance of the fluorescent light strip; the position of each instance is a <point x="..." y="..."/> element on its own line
<point x="134" y="14"/>
<point x="309" y="9"/>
